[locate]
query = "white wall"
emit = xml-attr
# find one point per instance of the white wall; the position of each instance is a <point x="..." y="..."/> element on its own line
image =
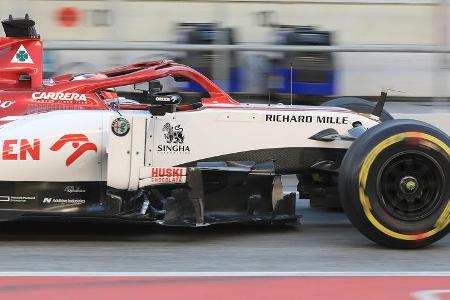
<point x="365" y="22"/>
<point x="354" y="22"/>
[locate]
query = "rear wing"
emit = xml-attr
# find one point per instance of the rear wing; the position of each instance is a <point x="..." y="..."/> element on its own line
<point x="20" y="55"/>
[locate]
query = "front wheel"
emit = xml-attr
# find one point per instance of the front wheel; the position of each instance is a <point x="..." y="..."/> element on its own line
<point x="394" y="184"/>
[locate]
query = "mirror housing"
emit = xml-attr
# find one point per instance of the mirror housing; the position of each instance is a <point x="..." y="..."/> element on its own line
<point x="149" y="87"/>
<point x="142" y="86"/>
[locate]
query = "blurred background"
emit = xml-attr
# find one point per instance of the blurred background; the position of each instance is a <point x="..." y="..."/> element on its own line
<point x="370" y="44"/>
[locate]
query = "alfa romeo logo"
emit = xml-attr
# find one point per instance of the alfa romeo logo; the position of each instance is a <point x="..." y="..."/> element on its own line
<point x="120" y="126"/>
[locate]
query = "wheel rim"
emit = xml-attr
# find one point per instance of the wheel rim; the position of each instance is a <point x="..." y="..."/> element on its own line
<point x="410" y="185"/>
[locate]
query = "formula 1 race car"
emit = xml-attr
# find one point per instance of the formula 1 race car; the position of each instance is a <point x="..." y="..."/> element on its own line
<point x="121" y="145"/>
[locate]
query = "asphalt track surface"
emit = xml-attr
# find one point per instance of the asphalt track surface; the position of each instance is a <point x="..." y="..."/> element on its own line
<point x="324" y="242"/>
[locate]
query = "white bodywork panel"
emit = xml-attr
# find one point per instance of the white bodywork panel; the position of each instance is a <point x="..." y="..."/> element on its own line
<point x="43" y="147"/>
<point x="73" y="129"/>
<point x="119" y="157"/>
<point x="126" y="154"/>
<point x="214" y="132"/>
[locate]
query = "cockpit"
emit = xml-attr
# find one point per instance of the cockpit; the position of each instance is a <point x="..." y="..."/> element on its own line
<point x="155" y="95"/>
<point x="155" y="85"/>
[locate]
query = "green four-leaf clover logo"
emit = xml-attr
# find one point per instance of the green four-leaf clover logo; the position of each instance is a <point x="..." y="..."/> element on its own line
<point x="22" y="55"/>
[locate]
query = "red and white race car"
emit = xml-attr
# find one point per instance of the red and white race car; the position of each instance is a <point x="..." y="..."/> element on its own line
<point x="117" y="145"/>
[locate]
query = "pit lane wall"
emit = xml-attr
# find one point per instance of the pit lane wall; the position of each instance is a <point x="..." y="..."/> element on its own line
<point x="417" y="22"/>
<point x="436" y="114"/>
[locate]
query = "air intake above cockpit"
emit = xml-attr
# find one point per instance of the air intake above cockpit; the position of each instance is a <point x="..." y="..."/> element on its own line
<point x="19" y="28"/>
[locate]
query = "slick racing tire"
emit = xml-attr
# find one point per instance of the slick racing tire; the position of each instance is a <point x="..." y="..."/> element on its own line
<point x="358" y="105"/>
<point x="394" y="184"/>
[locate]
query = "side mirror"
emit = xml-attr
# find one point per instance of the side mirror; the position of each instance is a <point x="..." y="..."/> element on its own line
<point x="150" y="87"/>
<point x="142" y="86"/>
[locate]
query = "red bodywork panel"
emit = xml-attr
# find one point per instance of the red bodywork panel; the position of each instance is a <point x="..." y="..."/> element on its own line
<point x="11" y="69"/>
<point x="23" y="91"/>
<point x="62" y="93"/>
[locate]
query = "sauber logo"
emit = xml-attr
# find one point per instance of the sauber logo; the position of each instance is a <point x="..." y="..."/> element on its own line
<point x="80" y="142"/>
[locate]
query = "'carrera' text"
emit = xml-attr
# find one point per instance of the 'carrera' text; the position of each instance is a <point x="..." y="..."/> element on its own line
<point x="58" y="96"/>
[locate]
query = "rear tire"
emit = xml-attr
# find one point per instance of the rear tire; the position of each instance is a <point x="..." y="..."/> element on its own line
<point x="393" y="184"/>
<point x="358" y="105"/>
